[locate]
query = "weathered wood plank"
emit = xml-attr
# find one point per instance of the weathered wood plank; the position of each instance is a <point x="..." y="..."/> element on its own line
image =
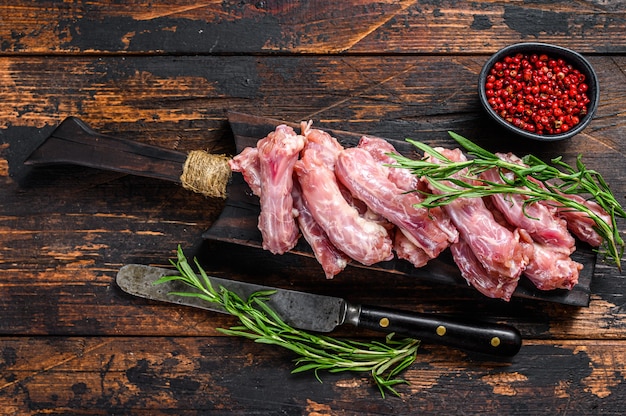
<point x="328" y="27"/>
<point x="70" y="289"/>
<point x="157" y="375"/>
<point x="179" y="102"/>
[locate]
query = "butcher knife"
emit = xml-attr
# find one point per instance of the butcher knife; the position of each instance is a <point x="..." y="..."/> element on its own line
<point x="321" y="313"/>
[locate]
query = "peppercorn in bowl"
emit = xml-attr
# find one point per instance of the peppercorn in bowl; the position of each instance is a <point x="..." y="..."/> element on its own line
<point x="539" y="91"/>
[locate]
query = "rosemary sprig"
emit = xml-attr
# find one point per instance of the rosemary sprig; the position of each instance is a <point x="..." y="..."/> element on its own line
<point x="535" y="179"/>
<point x="383" y="360"/>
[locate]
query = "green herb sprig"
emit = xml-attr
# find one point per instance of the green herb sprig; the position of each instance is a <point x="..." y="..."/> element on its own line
<point x="383" y="360"/>
<point x="535" y="179"/>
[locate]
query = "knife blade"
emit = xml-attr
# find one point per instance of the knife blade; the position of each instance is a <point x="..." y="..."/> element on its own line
<point x="320" y="313"/>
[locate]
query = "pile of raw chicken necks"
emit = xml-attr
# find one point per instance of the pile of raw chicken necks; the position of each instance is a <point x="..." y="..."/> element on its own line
<point x="350" y="205"/>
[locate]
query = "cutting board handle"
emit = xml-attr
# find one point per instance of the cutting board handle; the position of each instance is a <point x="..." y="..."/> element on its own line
<point x="74" y="142"/>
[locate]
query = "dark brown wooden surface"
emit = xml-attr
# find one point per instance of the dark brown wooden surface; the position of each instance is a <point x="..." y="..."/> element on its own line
<point x="165" y="73"/>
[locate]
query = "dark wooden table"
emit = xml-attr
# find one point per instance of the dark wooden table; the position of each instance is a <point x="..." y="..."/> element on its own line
<point x="164" y="73"/>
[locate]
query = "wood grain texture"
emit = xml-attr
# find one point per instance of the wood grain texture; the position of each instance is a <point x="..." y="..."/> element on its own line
<point x="165" y="73"/>
<point x="421" y="100"/>
<point x="161" y="375"/>
<point x="327" y="26"/>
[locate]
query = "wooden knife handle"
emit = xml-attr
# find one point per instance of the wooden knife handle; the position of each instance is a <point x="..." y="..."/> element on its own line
<point x="74" y="142"/>
<point x="486" y="338"/>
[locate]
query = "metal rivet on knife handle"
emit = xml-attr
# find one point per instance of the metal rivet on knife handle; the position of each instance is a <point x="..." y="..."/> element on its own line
<point x="441" y="330"/>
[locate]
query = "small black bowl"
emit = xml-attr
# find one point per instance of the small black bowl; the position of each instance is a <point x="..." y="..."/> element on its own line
<point x="553" y="51"/>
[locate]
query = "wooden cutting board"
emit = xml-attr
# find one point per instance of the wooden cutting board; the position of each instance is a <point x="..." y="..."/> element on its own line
<point x="73" y="142"/>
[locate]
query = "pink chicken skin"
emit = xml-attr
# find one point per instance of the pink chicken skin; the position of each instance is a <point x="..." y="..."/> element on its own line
<point x="361" y="239"/>
<point x="278" y="152"/>
<point x="367" y="180"/>
<point x="496" y="247"/>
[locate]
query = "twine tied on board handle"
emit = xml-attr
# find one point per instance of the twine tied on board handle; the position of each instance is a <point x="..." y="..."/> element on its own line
<point x="206" y="173"/>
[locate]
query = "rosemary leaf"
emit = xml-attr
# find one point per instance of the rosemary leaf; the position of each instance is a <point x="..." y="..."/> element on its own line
<point x="382" y="360"/>
<point x="535" y="179"/>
